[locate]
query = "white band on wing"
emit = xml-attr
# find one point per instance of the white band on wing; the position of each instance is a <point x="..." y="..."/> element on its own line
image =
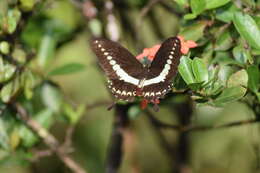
<point x="116" y="67"/>
<point x="160" y="78"/>
<point x="125" y="77"/>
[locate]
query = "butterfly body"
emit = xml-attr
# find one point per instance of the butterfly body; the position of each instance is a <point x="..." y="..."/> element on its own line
<point x="129" y="78"/>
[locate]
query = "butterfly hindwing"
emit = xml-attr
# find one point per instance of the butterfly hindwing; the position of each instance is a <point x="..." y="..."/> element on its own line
<point x="122" y="90"/>
<point x="156" y="91"/>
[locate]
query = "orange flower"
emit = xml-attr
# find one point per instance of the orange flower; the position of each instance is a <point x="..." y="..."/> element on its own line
<point x="150" y="52"/>
<point x="186" y="45"/>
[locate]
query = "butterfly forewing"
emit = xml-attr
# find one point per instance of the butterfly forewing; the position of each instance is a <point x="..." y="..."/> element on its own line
<point x="167" y="57"/>
<point x="114" y="58"/>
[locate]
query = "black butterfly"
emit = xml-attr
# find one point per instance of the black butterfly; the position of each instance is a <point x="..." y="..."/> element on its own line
<point x="129" y="78"/>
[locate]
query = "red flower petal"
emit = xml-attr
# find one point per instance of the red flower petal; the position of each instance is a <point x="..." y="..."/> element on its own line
<point x="191" y="44"/>
<point x="144" y="103"/>
<point x="186" y="45"/>
<point x="150" y="52"/>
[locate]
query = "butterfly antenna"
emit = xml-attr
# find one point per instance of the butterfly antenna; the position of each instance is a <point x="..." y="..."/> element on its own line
<point x="111" y="106"/>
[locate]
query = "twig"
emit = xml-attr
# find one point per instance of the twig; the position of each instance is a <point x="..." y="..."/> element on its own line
<point x="145" y="10"/>
<point x="192" y="128"/>
<point x="98" y="104"/>
<point x="40" y="154"/>
<point x="48" y="139"/>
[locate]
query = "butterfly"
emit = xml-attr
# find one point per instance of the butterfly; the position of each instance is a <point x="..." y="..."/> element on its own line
<point x="129" y="78"/>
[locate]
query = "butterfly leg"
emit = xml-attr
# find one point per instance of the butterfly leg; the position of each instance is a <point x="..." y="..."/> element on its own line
<point x="111" y="106"/>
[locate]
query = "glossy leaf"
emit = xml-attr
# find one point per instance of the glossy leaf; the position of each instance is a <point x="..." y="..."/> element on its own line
<point x="185" y="70"/>
<point x="229" y="95"/>
<point x="226" y="13"/>
<point x="199" y="69"/>
<point x="240" y="55"/>
<point x="254" y="78"/>
<point x="247" y="28"/>
<point x="224" y="42"/>
<point x="240" y="78"/>
<point x="211" y="4"/>
<point x="197" y="6"/>
<point x="224" y="73"/>
<point x="67" y="69"/>
<point x="194" y="32"/>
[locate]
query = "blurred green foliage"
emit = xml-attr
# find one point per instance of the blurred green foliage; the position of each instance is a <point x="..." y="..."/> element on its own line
<point x="47" y="66"/>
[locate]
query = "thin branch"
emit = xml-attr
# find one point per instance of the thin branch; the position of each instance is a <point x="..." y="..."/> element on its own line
<point x="48" y="139"/>
<point x="144" y="12"/>
<point x="98" y="104"/>
<point x="192" y="128"/>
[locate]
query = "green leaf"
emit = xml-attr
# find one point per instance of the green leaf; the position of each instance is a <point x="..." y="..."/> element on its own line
<point x="254" y="78"/>
<point x="211" y="4"/>
<point x="226" y="13"/>
<point x="67" y="69"/>
<point x="73" y="115"/>
<point x="194" y="32"/>
<point x="9" y="90"/>
<point x="214" y="88"/>
<point x="134" y="111"/>
<point x="182" y="2"/>
<point x="229" y="95"/>
<point x="224" y="42"/>
<point x="4" y="47"/>
<point x="247" y="28"/>
<point x="240" y="54"/>
<point x="95" y="26"/>
<point x="51" y="97"/>
<point x="197" y="6"/>
<point x="13" y="17"/>
<point x="27" y="5"/>
<point x="29" y="83"/>
<point x="240" y="78"/>
<point x="6" y="71"/>
<point x="189" y="16"/>
<point x="199" y="70"/>
<point x="46" y="49"/>
<point x="185" y="70"/>
<point x="4" y="139"/>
